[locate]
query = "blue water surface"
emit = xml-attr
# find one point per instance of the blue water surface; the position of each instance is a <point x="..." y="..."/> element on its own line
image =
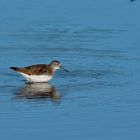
<point x="98" y="42"/>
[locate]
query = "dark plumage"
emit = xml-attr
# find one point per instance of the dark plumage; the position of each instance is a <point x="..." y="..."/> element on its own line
<point x="35" y="69"/>
<point x="14" y="68"/>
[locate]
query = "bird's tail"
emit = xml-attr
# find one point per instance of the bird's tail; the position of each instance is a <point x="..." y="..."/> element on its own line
<point x="14" y="68"/>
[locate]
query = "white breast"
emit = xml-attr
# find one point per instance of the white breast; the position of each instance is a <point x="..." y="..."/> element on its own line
<point x="36" y="78"/>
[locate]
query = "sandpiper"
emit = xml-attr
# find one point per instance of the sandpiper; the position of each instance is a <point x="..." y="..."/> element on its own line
<point x="39" y="72"/>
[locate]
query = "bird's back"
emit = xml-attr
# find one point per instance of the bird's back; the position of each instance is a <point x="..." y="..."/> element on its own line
<point x="37" y="69"/>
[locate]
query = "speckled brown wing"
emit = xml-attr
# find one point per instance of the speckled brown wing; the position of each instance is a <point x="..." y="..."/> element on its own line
<point x="38" y="69"/>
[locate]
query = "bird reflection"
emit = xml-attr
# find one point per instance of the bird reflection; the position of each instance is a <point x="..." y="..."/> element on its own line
<point x="38" y="90"/>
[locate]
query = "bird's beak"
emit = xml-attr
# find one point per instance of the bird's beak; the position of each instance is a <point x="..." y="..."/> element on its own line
<point x="64" y="69"/>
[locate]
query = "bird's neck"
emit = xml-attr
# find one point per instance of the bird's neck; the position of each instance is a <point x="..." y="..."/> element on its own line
<point x="53" y="70"/>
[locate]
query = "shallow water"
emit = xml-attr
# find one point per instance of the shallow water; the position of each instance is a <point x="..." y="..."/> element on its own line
<point x="98" y="42"/>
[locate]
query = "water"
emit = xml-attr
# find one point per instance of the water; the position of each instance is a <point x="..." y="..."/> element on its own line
<point x="98" y="42"/>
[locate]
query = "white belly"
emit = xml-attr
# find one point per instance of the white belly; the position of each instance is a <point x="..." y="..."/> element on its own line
<point x="36" y="78"/>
